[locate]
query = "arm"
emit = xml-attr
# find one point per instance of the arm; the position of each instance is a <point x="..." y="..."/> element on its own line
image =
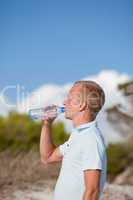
<point x="92" y="180"/>
<point x="48" y="151"/>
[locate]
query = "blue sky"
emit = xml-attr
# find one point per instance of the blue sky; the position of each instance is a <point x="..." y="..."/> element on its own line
<point x="64" y="40"/>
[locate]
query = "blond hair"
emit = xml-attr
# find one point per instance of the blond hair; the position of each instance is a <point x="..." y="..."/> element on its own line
<point x="93" y="94"/>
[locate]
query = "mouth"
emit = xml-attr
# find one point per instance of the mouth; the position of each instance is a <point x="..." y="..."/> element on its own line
<point x="65" y="110"/>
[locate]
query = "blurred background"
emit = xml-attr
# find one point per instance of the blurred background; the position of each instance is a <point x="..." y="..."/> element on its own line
<point x="45" y="46"/>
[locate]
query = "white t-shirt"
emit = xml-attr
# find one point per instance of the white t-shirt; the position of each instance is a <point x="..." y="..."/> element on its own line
<point x="85" y="149"/>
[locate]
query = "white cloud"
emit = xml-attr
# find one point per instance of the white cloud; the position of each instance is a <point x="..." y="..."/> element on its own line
<point x="45" y="95"/>
<point x="54" y="94"/>
<point x="4" y="109"/>
<point x="109" y="80"/>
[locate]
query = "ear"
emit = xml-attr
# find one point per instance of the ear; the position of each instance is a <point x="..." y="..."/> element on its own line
<point x="83" y="106"/>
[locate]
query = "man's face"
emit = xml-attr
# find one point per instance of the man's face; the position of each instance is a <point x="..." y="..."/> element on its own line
<point x="72" y="102"/>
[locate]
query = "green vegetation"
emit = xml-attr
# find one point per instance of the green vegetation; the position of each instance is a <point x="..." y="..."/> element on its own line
<point x="19" y="133"/>
<point x="120" y="156"/>
<point x="125" y="85"/>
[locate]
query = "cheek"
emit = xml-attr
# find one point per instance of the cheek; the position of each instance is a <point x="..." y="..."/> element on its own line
<point x="75" y="103"/>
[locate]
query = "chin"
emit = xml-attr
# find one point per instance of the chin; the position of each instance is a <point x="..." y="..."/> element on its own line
<point x="67" y="116"/>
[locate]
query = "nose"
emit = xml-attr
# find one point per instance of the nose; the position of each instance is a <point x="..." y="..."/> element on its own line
<point x="65" y="101"/>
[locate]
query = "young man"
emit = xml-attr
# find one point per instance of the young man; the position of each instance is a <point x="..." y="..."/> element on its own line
<point x="83" y="170"/>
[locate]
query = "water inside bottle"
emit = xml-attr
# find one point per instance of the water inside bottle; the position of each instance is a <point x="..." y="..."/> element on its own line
<point x="47" y="112"/>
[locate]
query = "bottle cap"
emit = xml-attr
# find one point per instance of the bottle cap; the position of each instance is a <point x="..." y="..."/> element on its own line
<point x="62" y="109"/>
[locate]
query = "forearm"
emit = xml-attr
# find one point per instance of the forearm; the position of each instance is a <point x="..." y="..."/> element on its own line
<point x="46" y="144"/>
<point x="90" y="195"/>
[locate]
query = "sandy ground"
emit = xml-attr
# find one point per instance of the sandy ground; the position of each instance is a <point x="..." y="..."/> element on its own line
<point x="111" y="192"/>
<point x="37" y="191"/>
<point x="46" y="194"/>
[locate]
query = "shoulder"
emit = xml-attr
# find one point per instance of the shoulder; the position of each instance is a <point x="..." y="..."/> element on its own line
<point x="92" y="139"/>
<point x="88" y="135"/>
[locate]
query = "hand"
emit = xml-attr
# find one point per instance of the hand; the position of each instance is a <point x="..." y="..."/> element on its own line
<point x="48" y="121"/>
<point x="51" y="114"/>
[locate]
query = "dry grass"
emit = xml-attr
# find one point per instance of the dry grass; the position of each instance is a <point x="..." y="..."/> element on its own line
<point x="22" y="169"/>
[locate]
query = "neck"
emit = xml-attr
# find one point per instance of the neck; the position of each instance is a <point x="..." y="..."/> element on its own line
<point x="82" y="118"/>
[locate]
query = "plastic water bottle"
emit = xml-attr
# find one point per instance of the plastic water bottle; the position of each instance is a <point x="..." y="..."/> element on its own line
<point x="47" y="112"/>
